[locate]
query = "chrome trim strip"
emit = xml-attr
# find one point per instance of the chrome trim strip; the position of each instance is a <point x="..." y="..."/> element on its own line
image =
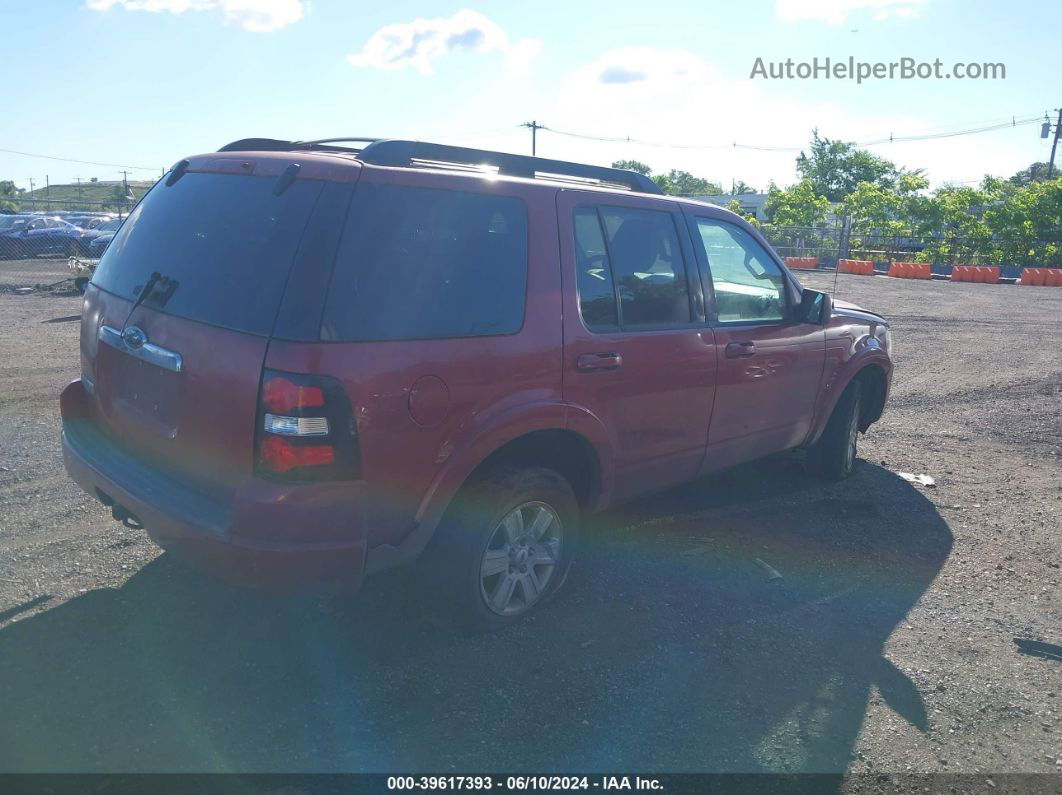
<point x="148" y="352"/>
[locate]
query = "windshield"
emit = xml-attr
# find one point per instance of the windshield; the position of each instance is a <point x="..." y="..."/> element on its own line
<point x="226" y="240"/>
<point x="110" y="226"/>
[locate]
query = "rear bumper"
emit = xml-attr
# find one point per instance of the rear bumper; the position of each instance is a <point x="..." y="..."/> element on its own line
<point x="267" y="535"/>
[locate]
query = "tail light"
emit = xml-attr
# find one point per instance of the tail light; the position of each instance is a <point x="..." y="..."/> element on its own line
<point x="306" y="429"/>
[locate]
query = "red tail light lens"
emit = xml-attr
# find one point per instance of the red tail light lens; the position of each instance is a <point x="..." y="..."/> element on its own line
<point x="282" y="395"/>
<point x="305" y="429"/>
<point x="281" y="456"/>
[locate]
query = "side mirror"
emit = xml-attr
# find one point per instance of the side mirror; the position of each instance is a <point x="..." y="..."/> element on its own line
<point x="815" y="308"/>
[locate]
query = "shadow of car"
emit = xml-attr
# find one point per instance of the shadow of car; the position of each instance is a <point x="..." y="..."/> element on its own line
<point x="670" y="650"/>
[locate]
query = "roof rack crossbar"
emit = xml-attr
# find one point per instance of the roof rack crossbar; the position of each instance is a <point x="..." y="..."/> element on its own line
<point x="404" y="153"/>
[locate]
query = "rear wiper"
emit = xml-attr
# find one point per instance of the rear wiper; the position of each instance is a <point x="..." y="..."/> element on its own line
<point x="169" y="286"/>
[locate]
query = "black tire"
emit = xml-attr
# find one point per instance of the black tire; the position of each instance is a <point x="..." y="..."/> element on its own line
<point x="452" y="570"/>
<point x="833" y="456"/>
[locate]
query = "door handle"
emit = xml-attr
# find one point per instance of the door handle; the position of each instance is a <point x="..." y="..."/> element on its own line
<point x="740" y="350"/>
<point x="598" y="361"/>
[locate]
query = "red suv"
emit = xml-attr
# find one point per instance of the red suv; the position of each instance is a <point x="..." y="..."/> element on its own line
<point x="313" y="361"/>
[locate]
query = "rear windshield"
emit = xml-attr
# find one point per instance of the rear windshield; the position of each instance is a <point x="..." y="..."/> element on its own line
<point x="424" y="263"/>
<point x="226" y="239"/>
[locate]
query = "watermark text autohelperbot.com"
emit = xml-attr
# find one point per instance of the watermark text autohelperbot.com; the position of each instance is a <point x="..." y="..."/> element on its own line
<point x="851" y="69"/>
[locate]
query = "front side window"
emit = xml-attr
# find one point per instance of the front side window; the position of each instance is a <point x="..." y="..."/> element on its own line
<point x="425" y="263"/>
<point x="749" y="287"/>
<point x="633" y="254"/>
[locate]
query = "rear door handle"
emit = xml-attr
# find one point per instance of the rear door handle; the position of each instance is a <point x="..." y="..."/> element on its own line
<point x="598" y="361"/>
<point x="740" y="350"/>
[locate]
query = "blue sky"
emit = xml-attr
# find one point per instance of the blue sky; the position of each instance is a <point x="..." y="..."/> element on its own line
<point x="145" y="82"/>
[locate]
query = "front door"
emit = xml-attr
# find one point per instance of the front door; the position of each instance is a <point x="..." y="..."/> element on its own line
<point x="770" y="365"/>
<point x="637" y="351"/>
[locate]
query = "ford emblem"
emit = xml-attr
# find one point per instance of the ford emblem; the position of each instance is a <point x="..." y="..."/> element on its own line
<point x="134" y="337"/>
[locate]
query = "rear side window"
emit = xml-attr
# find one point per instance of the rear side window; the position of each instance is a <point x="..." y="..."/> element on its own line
<point x="226" y="240"/>
<point x="632" y="254"/>
<point x="425" y="263"/>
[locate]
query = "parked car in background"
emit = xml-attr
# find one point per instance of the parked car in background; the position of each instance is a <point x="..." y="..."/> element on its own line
<point x="309" y="361"/>
<point x="39" y="234"/>
<point x="88" y="222"/>
<point x="11" y="228"/>
<point x="99" y="238"/>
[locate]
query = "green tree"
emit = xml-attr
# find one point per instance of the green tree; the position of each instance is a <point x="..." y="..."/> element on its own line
<point x="880" y="215"/>
<point x="1036" y="172"/>
<point x="735" y="207"/>
<point x="8" y="194"/>
<point x="683" y="183"/>
<point x="633" y="165"/>
<point x="1026" y="226"/>
<point x="797" y="205"/>
<point x="960" y="233"/>
<point x="740" y="186"/>
<point x="835" y="168"/>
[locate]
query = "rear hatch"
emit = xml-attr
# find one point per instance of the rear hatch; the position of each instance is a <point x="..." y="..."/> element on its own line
<point x="180" y="310"/>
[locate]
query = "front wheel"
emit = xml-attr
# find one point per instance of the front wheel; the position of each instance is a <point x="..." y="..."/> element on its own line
<point x="503" y="549"/>
<point x="833" y="456"/>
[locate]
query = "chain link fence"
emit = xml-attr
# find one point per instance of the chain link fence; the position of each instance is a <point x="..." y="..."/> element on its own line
<point x="832" y="243"/>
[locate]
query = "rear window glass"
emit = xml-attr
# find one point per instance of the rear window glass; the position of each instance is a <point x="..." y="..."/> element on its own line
<point x="424" y="263"/>
<point x="227" y="240"/>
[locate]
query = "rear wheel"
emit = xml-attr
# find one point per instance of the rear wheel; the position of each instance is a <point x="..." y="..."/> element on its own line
<point x="834" y="455"/>
<point x="504" y="547"/>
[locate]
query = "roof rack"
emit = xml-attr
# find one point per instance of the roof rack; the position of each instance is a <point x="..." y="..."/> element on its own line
<point x="387" y="152"/>
<point x="275" y="145"/>
<point x="414" y="153"/>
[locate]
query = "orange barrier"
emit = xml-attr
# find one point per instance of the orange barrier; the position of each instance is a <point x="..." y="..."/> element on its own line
<point x="981" y="274"/>
<point x="802" y="263"/>
<point x="1042" y="277"/>
<point x="911" y="270"/>
<point x="859" y="267"/>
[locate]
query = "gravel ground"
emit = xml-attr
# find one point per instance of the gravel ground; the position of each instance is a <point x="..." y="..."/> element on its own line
<point x="887" y="646"/>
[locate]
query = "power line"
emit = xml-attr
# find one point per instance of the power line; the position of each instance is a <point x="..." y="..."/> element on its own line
<point x="1013" y="122"/>
<point x="83" y="162"/>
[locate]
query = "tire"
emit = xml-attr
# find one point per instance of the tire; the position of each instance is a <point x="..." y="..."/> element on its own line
<point x="504" y="547"/>
<point x="833" y="456"/>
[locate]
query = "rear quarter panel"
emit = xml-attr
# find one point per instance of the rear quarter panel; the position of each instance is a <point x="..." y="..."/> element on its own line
<point x="493" y="388"/>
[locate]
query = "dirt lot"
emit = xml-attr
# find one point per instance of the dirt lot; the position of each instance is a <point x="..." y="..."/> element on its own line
<point x="887" y="646"/>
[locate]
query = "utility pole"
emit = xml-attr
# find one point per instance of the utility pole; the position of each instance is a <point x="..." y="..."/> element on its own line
<point x="1054" y="145"/>
<point x="78" y="188"/>
<point x="534" y="126"/>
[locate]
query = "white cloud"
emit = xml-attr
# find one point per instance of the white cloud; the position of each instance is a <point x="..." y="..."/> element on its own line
<point x="423" y="41"/>
<point x="676" y="97"/>
<point x="257" y="16"/>
<point x="835" y="12"/>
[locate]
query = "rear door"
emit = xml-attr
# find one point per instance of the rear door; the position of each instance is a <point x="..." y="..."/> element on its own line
<point x="637" y="352"/>
<point x="179" y="313"/>
<point x="770" y="366"/>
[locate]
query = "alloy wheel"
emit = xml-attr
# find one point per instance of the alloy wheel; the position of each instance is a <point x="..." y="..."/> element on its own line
<point x="520" y="558"/>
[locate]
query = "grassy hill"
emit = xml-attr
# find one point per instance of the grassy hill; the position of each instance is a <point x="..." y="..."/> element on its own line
<point x="94" y="195"/>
